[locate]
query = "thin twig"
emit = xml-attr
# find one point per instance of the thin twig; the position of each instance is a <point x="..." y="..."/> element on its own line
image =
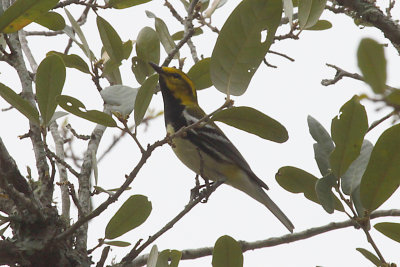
<point x="203" y="195"/>
<point x="103" y="257"/>
<point x="190" y="254"/>
<point x="59" y="160"/>
<point x="377" y="122"/>
<point x="79" y="136"/>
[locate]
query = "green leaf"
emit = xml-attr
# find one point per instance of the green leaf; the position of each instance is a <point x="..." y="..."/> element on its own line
<point x="321" y="25"/>
<point x="382" y="176"/>
<point x="227" y="252"/>
<point x="370" y="256"/>
<point x="324" y="146"/>
<point x="23" y="12"/>
<point x="355" y="196"/>
<point x="351" y="179"/>
<point x="127" y="48"/>
<point x="348" y="130"/>
<point x="72" y="61"/>
<point x="19" y="103"/>
<point x="179" y="35"/>
<point x="120" y="4"/>
<point x="111" y="41"/>
<point x="117" y="243"/>
<point x="169" y="258"/>
<point x="309" y="12"/>
<point x="148" y="48"/>
<point x="163" y="34"/>
<point x="77" y="108"/>
<point x="199" y="73"/>
<point x="51" y="20"/>
<point x="132" y="213"/>
<point x="372" y="63"/>
<point x="253" y="121"/>
<point x="78" y="30"/>
<point x="296" y="181"/>
<point x="111" y="72"/>
<point x="140" y="69"/>
<point x="389" y="229"/>
<point x="239" y="49"/>
<point x="323" y="188"/>
<point x="143" y="98"/>
<point x="50" y="78"/>
<point x="153" y="255"/>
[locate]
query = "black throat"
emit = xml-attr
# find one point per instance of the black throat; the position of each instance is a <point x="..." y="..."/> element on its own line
<point x="172" y="108"/>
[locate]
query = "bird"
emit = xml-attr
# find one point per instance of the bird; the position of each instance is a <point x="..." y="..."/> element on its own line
<point x="206" y="150"/>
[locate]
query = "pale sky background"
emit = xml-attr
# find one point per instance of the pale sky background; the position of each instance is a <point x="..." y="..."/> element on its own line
<point x="288" y="94"/>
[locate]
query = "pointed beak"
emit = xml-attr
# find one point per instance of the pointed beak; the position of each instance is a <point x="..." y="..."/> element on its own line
<point x="157" y="68"/>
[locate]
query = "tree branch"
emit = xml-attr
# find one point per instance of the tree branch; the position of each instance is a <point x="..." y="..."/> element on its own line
<point x="190" y="254"/>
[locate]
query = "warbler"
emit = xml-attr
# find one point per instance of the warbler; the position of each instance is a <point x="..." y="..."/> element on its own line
<point x="206" y="150"/>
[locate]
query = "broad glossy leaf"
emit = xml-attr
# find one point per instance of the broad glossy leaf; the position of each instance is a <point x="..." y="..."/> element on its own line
<point x="351" y="179"/>
<point x="321" y="25"/>
<point x="120" y="4"/>
<point x="127" y="48"/>
<point x="324" y="146"/>
<point x="72" y="61"/>
<point x="77" y="108"/>
<point x="179" y="35"/>
<point x="148" y="48"/>
<point x="389" y="229"/>
<point x="253" y="121"/>
<point x="51" y="20"/>
<point x="169" y="258"/>
<point x="50" y="78"/>
<point x="382" y="176"/>
<point x="19" y="103"/>
<point x="117" y="243"/>
<point x="130" y="215"/>
<point x="143" y="97"/>
<point x="121" y="99"/>
<point x="370" y="256"/>
<point x="227" y="252"/>
<point x="296" y="180"/>
<point x="355" y="196"/>
<point x="111" y="41"/>
<point x="78" y="30"/>
<point x="309" y="12"/>
<point x="23" y="12"/>
<point x="323" y="188"/>
<point x="199" y="73"/>
<point x="239" y="49"/>
<point x="372" y="63"/>
<point x="140" y="69"/>
<point x="111" y="72"/>
<point x="163" y="34"/>
<point x="348" y="130"/>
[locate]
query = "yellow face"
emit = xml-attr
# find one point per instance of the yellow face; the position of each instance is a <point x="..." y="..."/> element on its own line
<point x="180" y="85"/>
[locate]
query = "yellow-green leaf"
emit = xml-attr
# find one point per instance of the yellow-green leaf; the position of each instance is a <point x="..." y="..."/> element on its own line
<point x="120" y="4"/>
<point x="143" y="97"/>
<point x="372" y="63"/>
<point x="72" y="61"/>
<point x="199" y="73"/>
<point x="77" y="108"/>
<point x="309" y="12"/>
<point x="348" y="130"/>
<point x="239" y="49"/>
<point x="51" y="20"/>
<point x="127" y="48"/>
<point x="321" y="25"/>
<point x="227" y="252"/>
<point x="179" y="35"/>
<point x="50" y="78"/>
<point x="296" y="181"/>
<point x="148" y="48"/>
<point x="389" y="229"/>
<point x="19" y="103"/>
<point x="253" y="121"/>
<point x="117" y="243"/>
<point x="23" y="12"/>
<point x="169" y="258"/>
<point x="370" y="256"/>
<point x="84" y="46"/>
<point x="140" y="69"/>
<point x="111" y="41"/>
<point x="382" y="176"/>
<point x="130" y="215"/>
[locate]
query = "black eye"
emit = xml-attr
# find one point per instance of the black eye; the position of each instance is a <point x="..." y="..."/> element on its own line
<point x="175" y="75"/>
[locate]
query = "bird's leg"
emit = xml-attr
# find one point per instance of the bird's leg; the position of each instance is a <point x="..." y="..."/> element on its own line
<point x="195" y="191"/>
